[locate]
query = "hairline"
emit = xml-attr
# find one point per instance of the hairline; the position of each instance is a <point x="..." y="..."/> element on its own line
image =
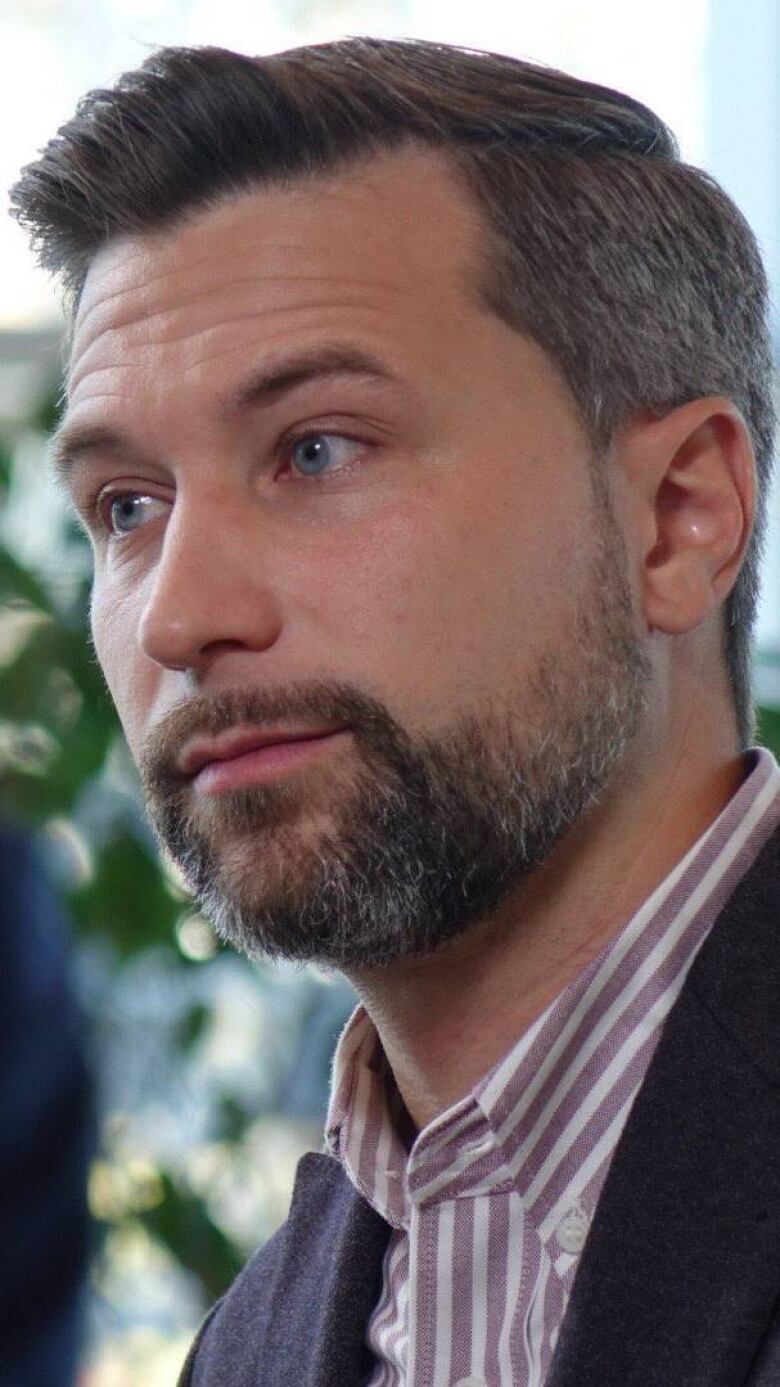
<point x="483" y="272"/>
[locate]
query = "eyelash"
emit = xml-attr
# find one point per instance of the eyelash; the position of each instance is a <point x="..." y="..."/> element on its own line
<point x="100" y="502"/>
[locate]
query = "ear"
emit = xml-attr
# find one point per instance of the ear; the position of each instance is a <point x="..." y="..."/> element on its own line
<point x="692" y="481"/>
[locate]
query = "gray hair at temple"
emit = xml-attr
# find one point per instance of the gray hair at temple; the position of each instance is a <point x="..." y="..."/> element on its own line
<point x="633" y="271"/>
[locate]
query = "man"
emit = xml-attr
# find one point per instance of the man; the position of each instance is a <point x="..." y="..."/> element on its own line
<point x="418" y="411"/>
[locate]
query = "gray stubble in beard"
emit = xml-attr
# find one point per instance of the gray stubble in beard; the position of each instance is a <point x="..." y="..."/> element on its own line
<point x="428" y="836"/>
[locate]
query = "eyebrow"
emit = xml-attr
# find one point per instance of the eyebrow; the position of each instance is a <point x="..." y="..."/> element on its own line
<point x="72" y="444"/>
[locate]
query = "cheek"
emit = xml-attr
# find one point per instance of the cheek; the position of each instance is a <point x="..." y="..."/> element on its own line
<point x="430" y="600"/>
<point x="131" y="678"/>
<point x="458" y="594"/>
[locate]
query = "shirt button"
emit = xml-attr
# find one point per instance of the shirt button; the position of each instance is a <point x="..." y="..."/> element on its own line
<point x="572" y="1231"/>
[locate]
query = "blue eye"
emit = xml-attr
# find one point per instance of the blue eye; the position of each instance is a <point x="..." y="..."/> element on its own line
<point x="321" y="452"/>
<point x="129" y="510"/>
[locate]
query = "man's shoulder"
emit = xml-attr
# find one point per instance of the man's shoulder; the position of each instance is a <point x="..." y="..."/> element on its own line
<point x="678" y="1281"/>
<point x="222" y="1342"/>
<point x="223" y="1322"/>
<point x="737" y="973"/>
<point x="280" y="1305"/>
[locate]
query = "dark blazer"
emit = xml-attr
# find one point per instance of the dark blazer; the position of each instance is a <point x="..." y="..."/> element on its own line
<point x="679" y="1282"/>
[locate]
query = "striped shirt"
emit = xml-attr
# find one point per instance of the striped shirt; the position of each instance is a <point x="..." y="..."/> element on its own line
<point x="490" y="1208"/>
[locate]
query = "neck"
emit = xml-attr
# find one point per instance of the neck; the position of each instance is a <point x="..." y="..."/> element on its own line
<point x="446" y="1019"/>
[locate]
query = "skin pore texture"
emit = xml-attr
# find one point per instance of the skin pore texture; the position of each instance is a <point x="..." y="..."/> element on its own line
<point x="329" y="492"/>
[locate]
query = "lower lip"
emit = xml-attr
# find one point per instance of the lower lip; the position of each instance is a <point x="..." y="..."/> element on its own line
<point x="262" y="764"/>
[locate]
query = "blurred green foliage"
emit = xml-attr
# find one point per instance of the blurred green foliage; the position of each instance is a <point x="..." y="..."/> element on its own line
<point x="769" y="728"/>
<point x="181" y="1222"/>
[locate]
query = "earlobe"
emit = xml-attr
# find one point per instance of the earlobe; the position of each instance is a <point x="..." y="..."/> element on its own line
<point x="699" y="495"/>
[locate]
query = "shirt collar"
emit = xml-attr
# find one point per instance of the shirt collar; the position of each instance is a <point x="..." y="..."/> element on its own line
<point x="474" y="1145"/>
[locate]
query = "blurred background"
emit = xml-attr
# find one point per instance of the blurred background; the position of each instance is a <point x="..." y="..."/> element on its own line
<point x="173" y="1080"/>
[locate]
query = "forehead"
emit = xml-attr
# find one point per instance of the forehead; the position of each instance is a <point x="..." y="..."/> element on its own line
<point x="396" y="237"/>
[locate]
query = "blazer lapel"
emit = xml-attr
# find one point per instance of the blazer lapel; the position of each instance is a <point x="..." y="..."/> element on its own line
<point x="327" y="1283"/>
<point x="681" y="1271"/>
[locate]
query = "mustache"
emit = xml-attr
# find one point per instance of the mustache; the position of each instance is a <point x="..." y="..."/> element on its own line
<point x="318" y="701"/>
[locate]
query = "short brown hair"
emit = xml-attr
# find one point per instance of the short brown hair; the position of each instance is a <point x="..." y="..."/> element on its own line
<point x="633" y="271"/>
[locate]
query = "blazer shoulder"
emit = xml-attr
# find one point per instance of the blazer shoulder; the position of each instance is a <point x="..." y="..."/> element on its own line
<point x="213" y="1355"/>
<point x="292" y="1305"/>
<point x="736" y="976"/>
<point x="227" y="1313"/>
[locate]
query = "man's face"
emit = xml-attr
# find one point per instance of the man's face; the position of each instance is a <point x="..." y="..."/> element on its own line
<point x="330" y="494"/>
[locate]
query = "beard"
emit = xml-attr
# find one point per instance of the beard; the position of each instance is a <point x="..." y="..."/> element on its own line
<point x="416" y="839"/>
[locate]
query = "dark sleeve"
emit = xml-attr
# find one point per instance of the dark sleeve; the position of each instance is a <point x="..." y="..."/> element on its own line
<point x="46" y="1131"/>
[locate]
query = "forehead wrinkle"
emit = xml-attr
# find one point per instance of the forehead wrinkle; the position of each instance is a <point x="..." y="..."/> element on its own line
<point x="81" y="369"/>
<point x="128" y="290"/>
<point x="261" y="274"/>
<point x="358" y="290"/>
<point x="339" y="356"/>
<point x="60" y="433"/>
<point x="222" y="354"/>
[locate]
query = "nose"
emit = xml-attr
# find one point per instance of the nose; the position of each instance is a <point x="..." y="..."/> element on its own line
<point x="209" y="592"/>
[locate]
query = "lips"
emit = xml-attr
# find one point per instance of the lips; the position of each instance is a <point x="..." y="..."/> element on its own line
<point x="228" y="746"/>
